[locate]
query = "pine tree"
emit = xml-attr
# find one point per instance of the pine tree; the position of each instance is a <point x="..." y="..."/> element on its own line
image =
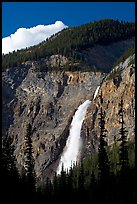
<point x="8" y="157"/>
<point x="81" y="178"/>
<point x="9" y="172"/>
<point x="70" y="183"/>
<point x="29" y="160"/>
<point x="123" y="149"/>
<point x="103" y="161"/>
<point x="123" y="158"/>
<point x="92" y="190"/>
<point x="48" y="192"/>
<point x="81" y="181"/>
<point x="62" y="180"/>
<point x="55" y="186"/>
<point x="114" y="157"/>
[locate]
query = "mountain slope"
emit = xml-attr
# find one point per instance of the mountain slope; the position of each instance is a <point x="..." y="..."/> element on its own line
<point x="74" y="42"/>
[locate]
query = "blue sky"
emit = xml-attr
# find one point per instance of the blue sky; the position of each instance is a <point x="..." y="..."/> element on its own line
<point x="28" y="14"/>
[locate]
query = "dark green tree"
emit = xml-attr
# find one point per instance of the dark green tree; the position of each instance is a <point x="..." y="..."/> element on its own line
<point x="55" y="186"/>
<point x="29" y="160"/>
<point x="81" y="178"/>
<point x="92" y="189"/>
<point x="103" y="161"/>
<point x="48" y="191"/>
<point x="81" y="181"/>
<point x="114" y="157"/>
<point x="9" y="171"/>
<point x="63" y="181"/>
<point x="70" y="187"/>
<point x="123" y="148"/>
<point x="123" y="158"/>
<point x="8" y="157"/>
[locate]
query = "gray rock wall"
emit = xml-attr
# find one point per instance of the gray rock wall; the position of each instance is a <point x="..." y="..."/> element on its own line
<point x="48" y="101"/>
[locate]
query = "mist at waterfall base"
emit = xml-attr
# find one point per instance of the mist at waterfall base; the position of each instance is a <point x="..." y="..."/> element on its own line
<point x="73" y="146"/>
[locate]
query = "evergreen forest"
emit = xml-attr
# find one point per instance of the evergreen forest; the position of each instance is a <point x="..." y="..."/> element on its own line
<point x="70" y="42"/>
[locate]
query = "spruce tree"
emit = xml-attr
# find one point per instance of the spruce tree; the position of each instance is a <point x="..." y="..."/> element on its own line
<point x="62" y="181"/>
<point x="92" y="189"/>
<point x="103" y="161"/>
<point x="8" y="157"/>
<point x="29" y="160"/>
<point x="81" y="188"/>
<point x="48" y="192"/>
<point x="114" y="157"/>
<point x="81" y="178"/>
<point x="70" y="188"/>
<point x="9" y="171"/>
<point x="55" y="187"/>
<point x="123" y="148"/>
<point x="123" y="158"/>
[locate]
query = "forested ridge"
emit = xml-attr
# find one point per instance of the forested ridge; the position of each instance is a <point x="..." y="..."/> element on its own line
<point x="71" y="41"/>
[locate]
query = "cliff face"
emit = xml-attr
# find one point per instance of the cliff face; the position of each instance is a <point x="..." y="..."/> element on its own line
<point x="121" y="85"/>
<point x="48" y="100"/>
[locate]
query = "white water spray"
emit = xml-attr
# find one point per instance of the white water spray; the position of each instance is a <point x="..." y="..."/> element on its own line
<point x="73" y="146"/>
<point x="96" y="92"/>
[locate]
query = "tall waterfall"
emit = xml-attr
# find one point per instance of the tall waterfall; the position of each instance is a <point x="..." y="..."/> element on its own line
<point x="73" y="146"/>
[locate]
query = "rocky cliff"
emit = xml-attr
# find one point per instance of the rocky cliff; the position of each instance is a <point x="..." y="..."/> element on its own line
<point x="48" y="100"/>
<point x="120" y="82"/>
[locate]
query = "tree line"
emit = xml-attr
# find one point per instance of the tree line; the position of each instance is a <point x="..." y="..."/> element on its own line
<point x="71" y="41"/>
<point x="108" y="178"/>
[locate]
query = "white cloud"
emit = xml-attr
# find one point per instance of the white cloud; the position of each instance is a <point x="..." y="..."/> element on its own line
<point x="26" y="37"/>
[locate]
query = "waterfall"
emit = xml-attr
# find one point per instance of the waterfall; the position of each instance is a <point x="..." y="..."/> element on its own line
<point x="96" y="92"/>
<point x="73" y="146"/>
